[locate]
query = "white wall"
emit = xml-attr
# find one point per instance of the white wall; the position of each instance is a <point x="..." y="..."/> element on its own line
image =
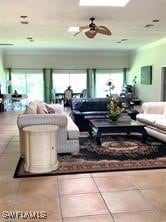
<point x="155" y="55"/>
<point x="66" y="61"/>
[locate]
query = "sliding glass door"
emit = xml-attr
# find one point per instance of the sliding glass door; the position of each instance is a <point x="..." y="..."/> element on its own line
<point x="77" y="79"/>
<point x="29" y="83"/>
<point x="102" y="78"/>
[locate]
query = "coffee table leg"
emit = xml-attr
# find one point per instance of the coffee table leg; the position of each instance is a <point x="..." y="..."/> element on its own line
<point x="90" y="131"/>
<point x="98" y="138"/>
<point x="144" y="135"/>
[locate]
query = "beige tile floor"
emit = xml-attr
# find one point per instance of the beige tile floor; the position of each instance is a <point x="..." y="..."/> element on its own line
<point x="130" y="196"/>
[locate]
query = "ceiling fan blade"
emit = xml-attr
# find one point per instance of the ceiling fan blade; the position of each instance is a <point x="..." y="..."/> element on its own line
<point x="91" y="34"/>
<point x="84" y="28"/>
<point x="76" y="33"/>
<point x="103" y="30"/>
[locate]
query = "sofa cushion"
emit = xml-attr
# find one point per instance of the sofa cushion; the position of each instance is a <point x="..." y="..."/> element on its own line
<point x="159" y="134"/>
<point x="94" y="113"/>
<point x="149" y="118"/>
<point x="161" y="124"/>
<point x="41" y="108"/>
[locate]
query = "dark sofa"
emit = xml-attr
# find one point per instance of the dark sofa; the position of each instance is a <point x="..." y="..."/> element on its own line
<point x="93" y="108"/>
<point x="81" y="108"/>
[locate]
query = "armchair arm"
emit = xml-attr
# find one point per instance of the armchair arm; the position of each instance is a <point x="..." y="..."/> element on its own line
<point x="76" y="112"/>
<point x="41" y="119"/>
<point x="153" y="107"/>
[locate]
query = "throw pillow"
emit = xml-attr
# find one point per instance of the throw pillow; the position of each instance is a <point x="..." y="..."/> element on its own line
<point x="50" y="109"/>
<point x="31" y="109"/>
<point x="57" y="107"/>
<point x="35" y="102"/>
<point x="41" y="108"/>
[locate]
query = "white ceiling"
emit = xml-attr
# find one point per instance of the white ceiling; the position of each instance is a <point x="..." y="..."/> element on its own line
<point x="49" y="21"/>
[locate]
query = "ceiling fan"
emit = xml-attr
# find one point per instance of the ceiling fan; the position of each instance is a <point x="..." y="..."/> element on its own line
<point x="92" y="29"/>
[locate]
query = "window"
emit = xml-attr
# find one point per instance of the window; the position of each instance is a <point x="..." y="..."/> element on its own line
<point x="76" y="79"/>
<point x="28" y="82"/>
<point x="102" y="78"/>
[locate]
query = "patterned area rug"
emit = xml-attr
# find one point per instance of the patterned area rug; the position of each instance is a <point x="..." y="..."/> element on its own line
<point x="115" y="153"/>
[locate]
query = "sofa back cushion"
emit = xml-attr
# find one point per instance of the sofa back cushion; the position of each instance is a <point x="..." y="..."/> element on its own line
<point x="39" y="107"/>
<point x="91" y="104"/>
<point x="154" y="107"/>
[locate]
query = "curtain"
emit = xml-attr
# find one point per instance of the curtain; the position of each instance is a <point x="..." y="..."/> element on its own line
<point x="91" y="79"/>
<point x="125" y="71"/>
<point x="94" y="82"/>
<point x="9" y="79"/>
<point x="48" y="84"/>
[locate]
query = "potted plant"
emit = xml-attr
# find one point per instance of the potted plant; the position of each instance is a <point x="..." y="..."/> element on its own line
<point x="115" y="108"/>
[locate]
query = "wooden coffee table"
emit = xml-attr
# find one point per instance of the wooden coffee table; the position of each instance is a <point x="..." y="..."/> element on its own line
<point x="105" y="126"/>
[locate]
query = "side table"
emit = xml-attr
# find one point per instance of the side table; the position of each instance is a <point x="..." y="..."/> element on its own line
<point x="137" y="101"/>
<point x="132" y="113"/>
<point x="40" y="148"/>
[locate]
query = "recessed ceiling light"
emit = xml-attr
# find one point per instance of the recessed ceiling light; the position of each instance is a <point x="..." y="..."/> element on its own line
<point x="148" y="25"/>
<point x="155" y="20"/>
<point x="30" y="38"/>
<point x="73" y="29"/>
<point x="23" y="16"/>
<point x="120" y="3"/>
<point x="124" y="40"/>
<point x="24" y="22"/>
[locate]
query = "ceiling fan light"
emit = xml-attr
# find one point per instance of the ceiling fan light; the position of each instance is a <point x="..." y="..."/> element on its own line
<point x="120" y="3"/>
<point x="74" y="29"/>
<point x="92" y="30"/>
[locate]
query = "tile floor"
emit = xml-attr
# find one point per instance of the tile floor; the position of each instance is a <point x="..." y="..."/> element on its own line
<point x="130" y="196"/>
